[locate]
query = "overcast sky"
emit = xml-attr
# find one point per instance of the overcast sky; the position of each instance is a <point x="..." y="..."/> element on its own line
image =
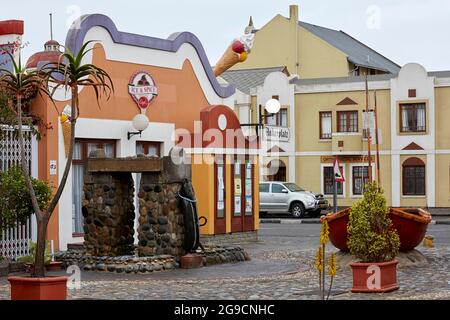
<point x="403" y="30"/>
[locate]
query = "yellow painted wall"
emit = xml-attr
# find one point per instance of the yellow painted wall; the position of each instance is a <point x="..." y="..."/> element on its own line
<point x="443" y="180"/>
<point x="318" y="59"/>
<point x="307" y="118"/>
<point x="272" y="46"/>
<point x="308" y="172"/>
<point x="281" y="40"/>
<point x="309" y="177"/>
<point x="442" y="109"/>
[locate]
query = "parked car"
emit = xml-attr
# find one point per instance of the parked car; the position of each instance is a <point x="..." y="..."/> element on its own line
<point x="284" y="197"/>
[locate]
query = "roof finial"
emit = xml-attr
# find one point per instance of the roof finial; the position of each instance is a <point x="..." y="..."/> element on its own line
<point x="51" y="26"/>
<point x="250" y="28"/>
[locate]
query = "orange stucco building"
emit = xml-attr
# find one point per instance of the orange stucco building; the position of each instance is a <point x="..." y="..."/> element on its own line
<point x="182" y="89"/>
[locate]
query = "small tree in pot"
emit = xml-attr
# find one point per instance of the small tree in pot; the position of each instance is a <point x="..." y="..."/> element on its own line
<point x="374" y="242"/>
<point x="70" y="73"/>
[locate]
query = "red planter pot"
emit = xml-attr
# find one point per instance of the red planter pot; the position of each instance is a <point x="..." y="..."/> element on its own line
<point x="48" y="288"/>
<point x="52" y="266"/>
<point x="411" y="225"/>
<point x="374" y="276"/>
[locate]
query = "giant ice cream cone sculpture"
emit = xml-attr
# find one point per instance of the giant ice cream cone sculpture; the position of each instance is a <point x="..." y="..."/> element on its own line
<point x="237" y="51"/>
<point x="66" y="128"/>
<point x="228" y="59"/>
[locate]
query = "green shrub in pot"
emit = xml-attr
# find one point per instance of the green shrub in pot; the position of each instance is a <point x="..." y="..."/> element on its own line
<point x="371" y="236"/>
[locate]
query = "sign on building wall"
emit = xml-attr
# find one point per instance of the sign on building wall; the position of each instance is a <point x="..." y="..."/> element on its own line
<point x="346" y="159"/>
<point x="53" y="167"/>
<point x="277" y="134"/>
<point x="143" y="89"/>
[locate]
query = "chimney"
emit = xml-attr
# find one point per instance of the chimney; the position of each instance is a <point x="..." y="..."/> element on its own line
<point x="11" y="32"/>
<point x="293" y="13"/>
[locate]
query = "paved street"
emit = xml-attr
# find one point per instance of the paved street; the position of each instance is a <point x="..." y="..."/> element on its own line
<point x="280" y="269"/>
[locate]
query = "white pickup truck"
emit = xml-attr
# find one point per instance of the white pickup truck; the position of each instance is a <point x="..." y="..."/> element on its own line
<point x="284" y="197"/>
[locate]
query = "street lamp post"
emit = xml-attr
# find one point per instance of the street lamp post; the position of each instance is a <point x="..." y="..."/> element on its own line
<point x="272" y="106"/>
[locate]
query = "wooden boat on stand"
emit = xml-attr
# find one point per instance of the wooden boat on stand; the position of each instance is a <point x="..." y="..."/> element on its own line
<point x="410" y="223"/>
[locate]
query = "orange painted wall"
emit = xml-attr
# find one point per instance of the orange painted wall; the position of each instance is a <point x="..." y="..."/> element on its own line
<point x="180" y="99"/>
<point x="180" y="96"/>
<point x="203" y="182"/>
<point x="48" y="150"/>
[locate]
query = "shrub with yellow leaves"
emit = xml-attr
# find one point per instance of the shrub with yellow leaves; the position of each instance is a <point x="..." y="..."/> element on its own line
<point x="321" y="262"/>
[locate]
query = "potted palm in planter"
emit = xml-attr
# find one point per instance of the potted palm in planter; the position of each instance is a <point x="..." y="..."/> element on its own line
<point x="374" y="242"/>
<point x="69" y="73"/>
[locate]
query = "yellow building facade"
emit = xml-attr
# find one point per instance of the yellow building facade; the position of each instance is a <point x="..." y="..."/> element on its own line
<point x="312" y="51"/>
<point x="325" y="119"/>
<point x="318" y="75"/>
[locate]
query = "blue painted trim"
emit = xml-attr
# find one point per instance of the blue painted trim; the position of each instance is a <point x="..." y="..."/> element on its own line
<point x="77" y="32"/>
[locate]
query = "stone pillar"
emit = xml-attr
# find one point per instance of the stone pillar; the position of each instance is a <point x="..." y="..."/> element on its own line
<point x="161" y="223"/>
<point x="108" y="210"/>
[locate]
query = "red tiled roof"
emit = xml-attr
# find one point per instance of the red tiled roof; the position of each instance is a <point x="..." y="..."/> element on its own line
<point x="44" y="56"/>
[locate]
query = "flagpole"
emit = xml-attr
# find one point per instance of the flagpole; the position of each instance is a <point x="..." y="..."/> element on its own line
<point x="376" y="140"/>
<point x="368" y="132"/>
<point x="335" y="186"/>
<point x="335" y="195"/>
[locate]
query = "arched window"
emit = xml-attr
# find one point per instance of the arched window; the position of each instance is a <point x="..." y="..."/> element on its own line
<point x="276" y="170"/>
<point x="413" y="177"/>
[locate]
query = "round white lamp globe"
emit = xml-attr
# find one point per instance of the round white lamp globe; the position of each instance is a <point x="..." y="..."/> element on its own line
<point x="273" y="106"/>
<point x="140" y="122"/>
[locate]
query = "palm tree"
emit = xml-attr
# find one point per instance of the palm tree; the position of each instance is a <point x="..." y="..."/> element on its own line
<point x="69" y="73"/>
<point x="18" y="84"/>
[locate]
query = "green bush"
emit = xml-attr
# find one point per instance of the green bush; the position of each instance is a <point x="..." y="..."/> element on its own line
<point x="15" y="200"/>
<point x="372" y="237"/>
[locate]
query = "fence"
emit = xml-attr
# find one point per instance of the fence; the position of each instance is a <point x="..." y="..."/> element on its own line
<point x="14" y="242"/>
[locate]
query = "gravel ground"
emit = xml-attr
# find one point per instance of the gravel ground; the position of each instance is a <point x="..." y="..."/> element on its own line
<point x="281" y="268"/>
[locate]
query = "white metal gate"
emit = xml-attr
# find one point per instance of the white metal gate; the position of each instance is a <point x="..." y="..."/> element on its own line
<point x="14" y="241"/>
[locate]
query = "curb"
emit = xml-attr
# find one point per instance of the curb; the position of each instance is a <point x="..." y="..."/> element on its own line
<point x="317" y="221"/>
<point x="290" y="221"/>
<point x="447" y="222"/>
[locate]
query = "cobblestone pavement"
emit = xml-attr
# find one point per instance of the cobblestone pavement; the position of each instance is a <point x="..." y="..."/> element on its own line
<point x="281" y="268"/>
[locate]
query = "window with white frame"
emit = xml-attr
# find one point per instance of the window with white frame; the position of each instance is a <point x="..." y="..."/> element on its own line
<point x="328" y="182"/>
<point x="413" y="117"/>
<point x="360" y="177"/>
<point x="325" y="125"/>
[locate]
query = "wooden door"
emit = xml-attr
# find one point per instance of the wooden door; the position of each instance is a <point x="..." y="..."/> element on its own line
<point x="220" y="196"/>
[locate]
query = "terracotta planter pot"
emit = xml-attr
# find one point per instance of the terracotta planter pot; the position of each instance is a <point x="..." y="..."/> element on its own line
<point x="374" y="276"/>
<point x="53" y="266"/>
<point x="48" y="288"/>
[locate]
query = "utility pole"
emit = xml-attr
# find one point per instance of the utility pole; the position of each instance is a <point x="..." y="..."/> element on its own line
<point x="368" y="132"/>
<point x="376" y="140"/>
